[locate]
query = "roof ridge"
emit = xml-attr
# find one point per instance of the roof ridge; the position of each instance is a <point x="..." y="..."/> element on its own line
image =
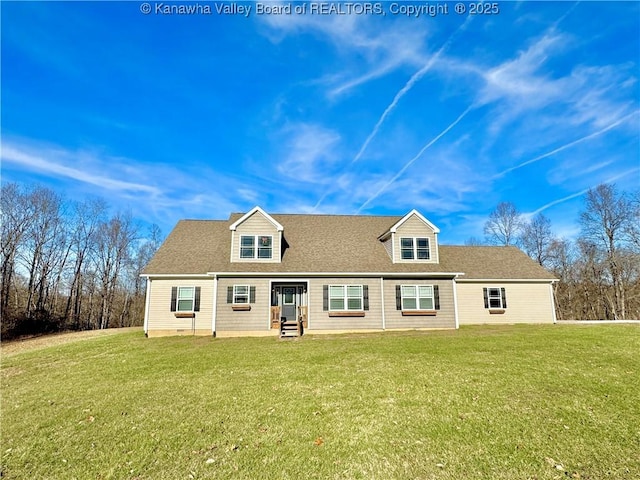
<point x="336" y="215"/>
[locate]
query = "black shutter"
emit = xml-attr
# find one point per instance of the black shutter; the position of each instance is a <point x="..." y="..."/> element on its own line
<point x="398" y="297"/>
<point x="174" y="298"/>
<point x="229" y="294"/>
<point x="486" y="298"/>
<point x="436" y="297"/>
<point x="504" y="297"/>
<point x="365" y="296"/>
<point x="325" y="297"/>
<point x="196" y="300"/>
<point x="252" y="294"/>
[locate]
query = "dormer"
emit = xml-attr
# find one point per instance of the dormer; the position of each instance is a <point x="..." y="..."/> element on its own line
<point x="413" y="239"/>
<point x="256" y="237"/>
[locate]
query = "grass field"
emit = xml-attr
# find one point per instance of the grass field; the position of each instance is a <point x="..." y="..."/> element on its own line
<point x="513" y="402"/>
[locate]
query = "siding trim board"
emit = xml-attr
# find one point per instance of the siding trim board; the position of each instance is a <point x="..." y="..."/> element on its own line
<point x="446" y="275"/>
<point x="503" y="280"/>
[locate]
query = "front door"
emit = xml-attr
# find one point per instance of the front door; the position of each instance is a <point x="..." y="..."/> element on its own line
<point x="289" y="304"/>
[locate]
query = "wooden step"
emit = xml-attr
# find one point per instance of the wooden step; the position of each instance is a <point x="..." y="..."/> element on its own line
<point x="289" y="329"/>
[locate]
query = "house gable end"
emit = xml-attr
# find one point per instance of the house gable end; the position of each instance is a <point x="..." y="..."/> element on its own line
<point x="251" y="213"/>
<point x="408" y="216"/>
<point x="256" y="237"/>
<point x="420" y="240"/>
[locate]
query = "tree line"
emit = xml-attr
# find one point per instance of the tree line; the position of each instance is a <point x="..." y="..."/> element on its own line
<point x="69" y="265"/>
<point x="599" y="271"/>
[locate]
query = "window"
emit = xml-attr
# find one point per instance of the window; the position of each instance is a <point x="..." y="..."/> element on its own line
<point x="247" y="247"/>
<point x="241" y="294"/>
<point x="264" y="247"/>
<point x="289" y="296"/>
<point x="185" y="299"/>
<point x="256" y="246"/>
<point x="346" y="297"/>
<point x="495" y="297"/>
<point x="414" y="248"/>
<point x="417" y="297"/>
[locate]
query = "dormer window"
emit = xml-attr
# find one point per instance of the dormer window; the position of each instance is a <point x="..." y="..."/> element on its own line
<point x="256" y="246"/>
<point x="414" y="248"/>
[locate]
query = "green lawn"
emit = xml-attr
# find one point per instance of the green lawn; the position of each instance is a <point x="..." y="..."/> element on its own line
<point x="521" y="402"/>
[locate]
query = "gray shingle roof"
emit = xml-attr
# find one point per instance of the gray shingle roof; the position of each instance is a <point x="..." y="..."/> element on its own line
<point x="329" y="243"/>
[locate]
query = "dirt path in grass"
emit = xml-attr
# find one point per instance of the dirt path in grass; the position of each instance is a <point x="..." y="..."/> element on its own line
<point x="25" y="345"/>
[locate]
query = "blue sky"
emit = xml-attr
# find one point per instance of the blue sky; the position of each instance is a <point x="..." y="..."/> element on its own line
<point x="196" y="116"/>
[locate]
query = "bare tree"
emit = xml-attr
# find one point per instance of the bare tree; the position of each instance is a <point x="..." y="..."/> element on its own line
<point x="114" y="242"/>
<point x="536" y="238"/>
<point x="605" y="219"/>
<point x="16" y="212"/>
<point x="504" y="225"/>
<point x="146" y="249"/>
<point x="86" y="218"/>
<point x="43" y="251"/>
<point x="560" y="261"/>
<point x="632" y="230"/>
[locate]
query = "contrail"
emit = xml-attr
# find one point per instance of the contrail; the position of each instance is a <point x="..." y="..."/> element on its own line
<point x="410" y="83"/>
<point x="582" y="192"/>
<point x="568" y="145"/>
<point x="410" y="162"/>
<point x="401" y="93"/>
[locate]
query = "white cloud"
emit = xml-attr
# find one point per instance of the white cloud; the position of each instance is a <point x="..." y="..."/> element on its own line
<point x="53" y="162"/>
<point x="367" y="51"/>
<point x="520" y="81"/>
<point x="308" y="150"/>
<point x="161" y="194"/>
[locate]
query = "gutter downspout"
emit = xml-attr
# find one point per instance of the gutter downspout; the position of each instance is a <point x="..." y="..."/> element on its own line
<point x="455" y="302"/>
<point x="146" y="307"/>
<point x="553" y="303"/>
<point x="384" y="322"/>
<point x="215" y="305"/>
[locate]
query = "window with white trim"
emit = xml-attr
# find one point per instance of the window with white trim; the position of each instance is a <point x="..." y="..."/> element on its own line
<point x="495" y="298"/>
<point x="417" y="297"/>
<point x="346" y="297"/>
<point x="241" y="294"/>
<point x="256" y="246"/>
<point x="186" y="299"/>
<point x="414" y="248"/>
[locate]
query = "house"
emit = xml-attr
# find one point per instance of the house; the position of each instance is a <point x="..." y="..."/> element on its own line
<point x="262" y="274"/>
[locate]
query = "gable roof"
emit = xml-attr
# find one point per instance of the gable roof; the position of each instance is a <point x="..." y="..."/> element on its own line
<point x="413" y="212"/>
<point x="329" y="244"/>
<point x="257" y="209"/>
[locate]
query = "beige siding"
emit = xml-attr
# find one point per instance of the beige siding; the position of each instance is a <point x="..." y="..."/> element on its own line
<point x="254" y="320"/>
<point x="414" y="227"/>
<point x="526" y="303"/>
<point x="388" y="246"/>
<point x="444" y="318"/>
<point x="256" y="224"/>
<point x="163" y="321"/>
<point x="320" y="319"/>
